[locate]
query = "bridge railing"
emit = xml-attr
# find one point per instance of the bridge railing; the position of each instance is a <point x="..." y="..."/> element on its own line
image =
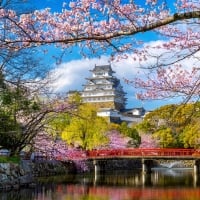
<point x="154" y="152"/>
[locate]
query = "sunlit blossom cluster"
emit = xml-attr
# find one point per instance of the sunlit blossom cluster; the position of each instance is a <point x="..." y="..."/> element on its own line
<point x="50" y="148"/>
<point x="117" y="140"/>
<point x="147" y="141"/>
<point x="170" y="82"/>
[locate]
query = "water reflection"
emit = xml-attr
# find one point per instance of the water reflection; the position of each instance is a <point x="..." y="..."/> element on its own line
<point x="162" y="184"/>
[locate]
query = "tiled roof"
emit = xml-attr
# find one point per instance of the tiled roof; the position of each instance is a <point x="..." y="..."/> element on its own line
<point x="102" y="67"/>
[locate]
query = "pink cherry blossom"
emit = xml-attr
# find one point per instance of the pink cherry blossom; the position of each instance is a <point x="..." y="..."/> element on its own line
<point x="111" y="26"/>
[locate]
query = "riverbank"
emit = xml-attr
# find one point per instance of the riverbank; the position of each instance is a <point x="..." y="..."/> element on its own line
<point x="14" y="176"/>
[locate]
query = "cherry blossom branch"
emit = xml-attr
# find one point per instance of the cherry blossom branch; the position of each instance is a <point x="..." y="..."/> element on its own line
<point x="168" y="83"/>
<point x="42" y="27"/>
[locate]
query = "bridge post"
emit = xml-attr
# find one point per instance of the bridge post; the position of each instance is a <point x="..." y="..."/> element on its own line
<point x="99" y="166"/>
<point x="96" y="171"/>
<point x="196" y="166"/>
<point x="146" y="165"/>
<point x="96" y="166"/>
<point x="196" y="171"/>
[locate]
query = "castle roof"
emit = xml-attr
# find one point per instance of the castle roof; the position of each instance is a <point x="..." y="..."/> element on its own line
<point x="102" y="68"/>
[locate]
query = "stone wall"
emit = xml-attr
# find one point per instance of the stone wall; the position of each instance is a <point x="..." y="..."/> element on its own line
<point x="13" y="176"/>
<point x="50" y="168"/>
<point x="175" y="163"/>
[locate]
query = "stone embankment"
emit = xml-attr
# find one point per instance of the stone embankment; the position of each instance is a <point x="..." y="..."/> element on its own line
<point x="14" y="176"/>
<point x="175" y="163"/>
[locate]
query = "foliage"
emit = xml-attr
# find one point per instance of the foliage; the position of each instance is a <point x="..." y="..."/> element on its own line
<point x="86" y="129"/>
<point x="57" y="124"/>
<point x="145" y="127"/>
<point x="173" y="125"/>
<point x="102" y="24"/>
<point x="55" y="148"/>
<point x="147" y="141"/>
<point x="8" y="159"/>
<point x="21" y="83"/>
<point x="113" y="126"/>
<point x="164" y="137"/>
<point x="75" y="99"/>
<point x="130" y="132"/>
<point x="14" y="102"/>
<point x="23" y="116"/>
<point x="60" y="120"/>
<point x="190" y="136"/>
<point x="8" y="124"/>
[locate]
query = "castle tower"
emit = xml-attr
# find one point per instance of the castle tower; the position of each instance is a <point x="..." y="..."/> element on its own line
<point x="104" y="89"/>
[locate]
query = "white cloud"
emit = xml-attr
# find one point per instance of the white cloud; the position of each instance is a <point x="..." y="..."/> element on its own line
<point x="71" y="75"/>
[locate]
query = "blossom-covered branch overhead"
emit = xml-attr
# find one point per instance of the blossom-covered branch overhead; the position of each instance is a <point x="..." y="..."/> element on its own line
<point x="88" y="20"/>
<point x="111" y="26"/>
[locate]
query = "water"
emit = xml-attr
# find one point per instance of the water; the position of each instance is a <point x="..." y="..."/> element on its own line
<point x="161" y="184"/>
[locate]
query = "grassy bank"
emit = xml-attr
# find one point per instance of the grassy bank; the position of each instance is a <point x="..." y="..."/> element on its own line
<point x="10" y="159"/>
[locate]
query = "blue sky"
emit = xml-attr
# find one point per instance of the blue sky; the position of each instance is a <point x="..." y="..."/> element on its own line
<point x="71" y="73"/>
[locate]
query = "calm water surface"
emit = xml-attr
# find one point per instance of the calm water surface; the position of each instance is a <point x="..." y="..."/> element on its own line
<point x="161" y="184"/>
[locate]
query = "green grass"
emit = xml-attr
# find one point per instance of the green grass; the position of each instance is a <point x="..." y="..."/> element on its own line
<point x="10" y="159"/>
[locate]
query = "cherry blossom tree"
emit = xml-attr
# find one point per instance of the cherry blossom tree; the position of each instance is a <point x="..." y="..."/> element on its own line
<point x="26" y="118"/>
<point x="113" y="26"/>
<point x="147" y="141"/>
<point x="117" y="140"/>
<point x="48" y="147"/>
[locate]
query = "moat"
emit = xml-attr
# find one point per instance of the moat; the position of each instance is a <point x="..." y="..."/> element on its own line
<point x="162" y="184"/>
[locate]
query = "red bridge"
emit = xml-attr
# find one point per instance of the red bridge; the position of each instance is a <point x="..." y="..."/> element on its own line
<point x="144" y="153"/>
<point x="147" y="156"/>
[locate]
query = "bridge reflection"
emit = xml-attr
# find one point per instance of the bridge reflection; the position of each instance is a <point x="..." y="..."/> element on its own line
<point x="158" y="177"/>
<point x="158" y="185"/>
<point x="161" y="184"/>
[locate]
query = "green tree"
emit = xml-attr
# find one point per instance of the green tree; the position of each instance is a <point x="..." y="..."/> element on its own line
<point x="145" y="127"/>
<point x="58" y="123"/>
<point x="60" y="120"/>
<point x="75" y="98"/>
<point x="15" y="106"/>
<point x="130" y="132"/>
<point x="190" y="136"/>
<point x="171" y="122"/>
<point x="164" y="137"/>
<point x="9" y="130"/>
<point x="86" y="129"/>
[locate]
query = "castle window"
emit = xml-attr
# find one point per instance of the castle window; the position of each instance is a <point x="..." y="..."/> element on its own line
<point x="99" y="73"/>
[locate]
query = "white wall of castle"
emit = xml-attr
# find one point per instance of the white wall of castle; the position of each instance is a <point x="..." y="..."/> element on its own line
<point x="113" y="113"/>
